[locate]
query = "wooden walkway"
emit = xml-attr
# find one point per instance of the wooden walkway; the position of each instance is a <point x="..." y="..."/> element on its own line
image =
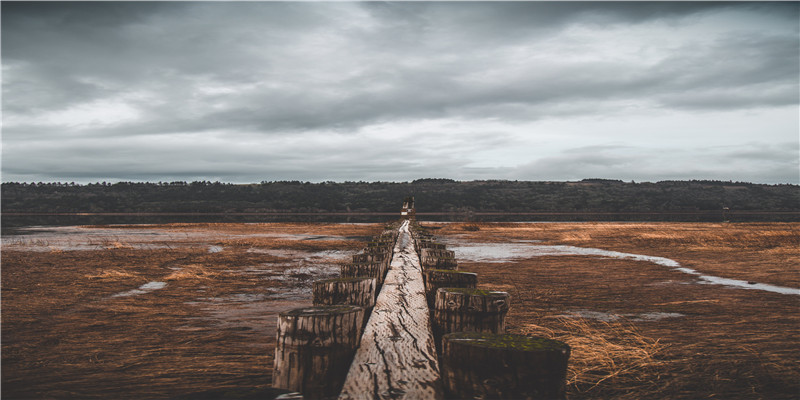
<point x="397" y="356"/>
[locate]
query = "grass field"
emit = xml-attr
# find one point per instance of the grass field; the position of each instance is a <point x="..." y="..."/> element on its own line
<point x="160" y="311"/>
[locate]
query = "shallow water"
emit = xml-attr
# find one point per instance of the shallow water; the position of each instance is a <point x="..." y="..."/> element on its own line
<point x="610" y="317"/>
<point x="146" y="288"/>
<point x="79" y="238"/>
<point x="509" y="252"/>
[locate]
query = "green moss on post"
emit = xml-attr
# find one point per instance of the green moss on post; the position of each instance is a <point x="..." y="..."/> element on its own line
<point x="503" y="366"/>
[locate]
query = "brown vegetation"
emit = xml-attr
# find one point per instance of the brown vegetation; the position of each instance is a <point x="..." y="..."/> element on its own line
<point x="713" y="342"/>
<point x="67" y="332"/>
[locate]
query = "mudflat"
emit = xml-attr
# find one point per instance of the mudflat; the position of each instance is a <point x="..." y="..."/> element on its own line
<point x="651" y="310"/>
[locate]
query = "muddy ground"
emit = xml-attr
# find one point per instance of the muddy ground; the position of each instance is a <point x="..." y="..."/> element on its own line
<point x="162" y="311"/>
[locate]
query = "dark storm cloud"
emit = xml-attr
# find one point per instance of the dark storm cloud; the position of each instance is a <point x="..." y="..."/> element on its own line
<point x="176" y="82"/>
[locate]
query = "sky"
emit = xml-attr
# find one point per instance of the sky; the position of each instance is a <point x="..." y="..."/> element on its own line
<point x="247" y="92"/>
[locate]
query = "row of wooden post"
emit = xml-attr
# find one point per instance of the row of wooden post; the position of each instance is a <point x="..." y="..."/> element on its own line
<point x="315" y="345"/>
<point x="477" y="358"/>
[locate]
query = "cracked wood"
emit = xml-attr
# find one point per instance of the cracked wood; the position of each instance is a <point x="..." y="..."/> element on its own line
<point x="397" y="356"/>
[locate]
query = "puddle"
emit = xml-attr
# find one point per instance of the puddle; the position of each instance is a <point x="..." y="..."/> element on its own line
<point x="508" y="252"/>
<point x="305" y="255"/>
<point x="318" y="271"/>
<point x="146" y="288"/>
<point x="76" y="238"/>
<point x="323" y="237"/>
<point x="252" y="312"/>
<point x="609" y="317"/>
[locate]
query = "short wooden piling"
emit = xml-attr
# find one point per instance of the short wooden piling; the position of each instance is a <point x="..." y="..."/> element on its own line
<point x="315" y="348"/>
<point x="357" y="291"/>
<point x="375" y="270"/>
<point x="438" y="259"/>
<point x="443" y="278"/>
<point x="371" y="257"/>
<point x="468" y="310"/>
<point x="503" y="366"/>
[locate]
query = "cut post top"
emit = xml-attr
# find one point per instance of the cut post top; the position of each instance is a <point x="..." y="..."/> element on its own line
<point x="507" y="341"/>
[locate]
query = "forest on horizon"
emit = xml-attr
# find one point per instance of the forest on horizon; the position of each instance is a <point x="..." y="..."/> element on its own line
<point x="432" y="196"/>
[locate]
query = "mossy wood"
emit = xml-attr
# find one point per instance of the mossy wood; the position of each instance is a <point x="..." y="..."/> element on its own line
<point x="503" y="366"/>
<point x="468" y="309"/>
<point x="442" y="278"/>
<point x="315" y="346"/>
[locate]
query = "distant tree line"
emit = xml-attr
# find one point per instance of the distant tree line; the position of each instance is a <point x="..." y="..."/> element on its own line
<point x="431" y="195"/>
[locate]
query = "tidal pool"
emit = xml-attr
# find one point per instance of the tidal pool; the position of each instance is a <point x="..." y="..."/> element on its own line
<point x="509" y="252"/>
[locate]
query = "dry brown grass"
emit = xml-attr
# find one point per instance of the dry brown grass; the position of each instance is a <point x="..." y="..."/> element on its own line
<point x="112" y="275"/>
<point x="192" y="271"/>
<point x="611" y="353"/>
<point x="66" y="335"/>
<point x="726" y="343"/>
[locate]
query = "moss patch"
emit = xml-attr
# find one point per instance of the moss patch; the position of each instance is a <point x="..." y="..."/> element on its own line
<point x="319" y="310"/>
<point x="473" y="291"/>
<point x="506" y="341"/>
<point x="351" y="279"/>
<point x="451" y="271"/>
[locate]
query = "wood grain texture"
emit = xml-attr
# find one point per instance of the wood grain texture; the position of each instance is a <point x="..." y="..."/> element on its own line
<point x="440" y="278"/>
<point x="468" y="310"/>
<point x="437" y="259"/>
<point x="314" y="348"/>
<point x="375" y="270"/>
<point x="397" y="358"/>
<point x="358" y="291"/>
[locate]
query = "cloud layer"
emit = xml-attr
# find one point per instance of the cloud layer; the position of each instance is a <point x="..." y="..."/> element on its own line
<point x="253" y="91"/>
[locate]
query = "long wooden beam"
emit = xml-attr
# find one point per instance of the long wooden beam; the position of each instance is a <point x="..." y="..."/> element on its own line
<point x="397" y="356"/>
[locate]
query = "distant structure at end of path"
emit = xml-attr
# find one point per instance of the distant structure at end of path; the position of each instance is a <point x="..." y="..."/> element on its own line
<point x="408" y="210"/>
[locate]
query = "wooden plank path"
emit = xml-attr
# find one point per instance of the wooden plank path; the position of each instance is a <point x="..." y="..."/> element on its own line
<point x="397" y="357"/>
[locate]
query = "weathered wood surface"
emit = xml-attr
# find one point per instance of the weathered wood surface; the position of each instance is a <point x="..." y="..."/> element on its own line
<point x="315" y="346"/>
<point x="441" y="278"/>
<point x="358" y="291"/>
<point x="503" y="366"/>
<point x="438" y="259"/>
<point x="371" y="257"/>
<point x="375" y="270"/>
<point x="468" y="310"/>
<point x="397" y="357"/>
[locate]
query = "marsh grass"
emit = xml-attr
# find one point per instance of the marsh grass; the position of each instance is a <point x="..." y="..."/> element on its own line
<point x="611" y="353"/>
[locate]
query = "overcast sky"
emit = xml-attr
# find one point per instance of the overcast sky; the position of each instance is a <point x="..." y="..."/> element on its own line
<point x="252" y="91"/>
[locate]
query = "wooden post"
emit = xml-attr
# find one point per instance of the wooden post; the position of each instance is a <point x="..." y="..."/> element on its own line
<point x="473" y="310"/>
<point x="375" y="270"/>
<point x="427" y="244"/>
<point x="358" y="291"/>
<point x="372" y="257"/>
<point x="438" y="259"/>
<point x="315" y="348"/>
<point x="442" y="278"/>
<point x="503" y="366"/>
